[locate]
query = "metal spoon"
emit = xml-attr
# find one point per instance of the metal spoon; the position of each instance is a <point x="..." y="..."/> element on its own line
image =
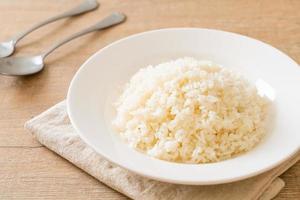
<point x="8" y="47"/>
<point x="30" y="65"/>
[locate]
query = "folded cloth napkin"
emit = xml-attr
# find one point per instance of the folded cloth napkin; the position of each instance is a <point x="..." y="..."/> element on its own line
<point x="54" y="130"/>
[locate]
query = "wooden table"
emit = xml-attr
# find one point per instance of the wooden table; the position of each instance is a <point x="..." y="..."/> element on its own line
<point x="30" y="171"/>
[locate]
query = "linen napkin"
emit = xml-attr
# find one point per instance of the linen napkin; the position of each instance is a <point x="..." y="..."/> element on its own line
<point x="54" y="130"/>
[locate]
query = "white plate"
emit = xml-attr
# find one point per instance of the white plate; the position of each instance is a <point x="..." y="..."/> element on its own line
<point x="96" y="84"/>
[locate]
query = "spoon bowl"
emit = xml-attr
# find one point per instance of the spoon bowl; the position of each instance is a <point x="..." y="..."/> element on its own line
<point x="19" y="66"/>
<point x="6" y="48"/>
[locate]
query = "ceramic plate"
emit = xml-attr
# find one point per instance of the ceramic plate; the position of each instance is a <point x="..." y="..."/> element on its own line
<point x="97" y="84"/>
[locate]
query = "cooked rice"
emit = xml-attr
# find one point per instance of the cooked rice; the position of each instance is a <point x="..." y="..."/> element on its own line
<point x="190" y="111"/>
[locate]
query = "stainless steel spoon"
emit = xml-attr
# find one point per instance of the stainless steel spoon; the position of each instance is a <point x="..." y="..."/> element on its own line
<point x="19" y="66"/>
<point x="8" y="47"/>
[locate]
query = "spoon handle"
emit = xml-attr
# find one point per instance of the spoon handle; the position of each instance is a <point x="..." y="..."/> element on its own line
<point x="86" y="6"/>
<point x="108" y="21"/>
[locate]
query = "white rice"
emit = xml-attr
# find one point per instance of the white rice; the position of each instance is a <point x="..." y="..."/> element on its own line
<point x="190" y="111"/>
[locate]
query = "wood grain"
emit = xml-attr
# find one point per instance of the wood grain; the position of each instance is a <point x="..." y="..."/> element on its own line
<point x="28" y="170"/>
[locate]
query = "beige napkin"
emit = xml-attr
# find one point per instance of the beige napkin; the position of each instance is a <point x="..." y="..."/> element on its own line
<point x="53" y="129"/>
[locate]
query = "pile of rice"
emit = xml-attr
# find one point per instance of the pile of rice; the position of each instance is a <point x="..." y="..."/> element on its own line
<point x="190" y="111"/>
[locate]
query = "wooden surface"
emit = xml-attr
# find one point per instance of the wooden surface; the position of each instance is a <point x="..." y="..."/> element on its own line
<point x="30" y="171"/>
